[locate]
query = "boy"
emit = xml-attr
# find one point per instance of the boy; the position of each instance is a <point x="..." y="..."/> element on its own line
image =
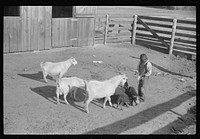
<point x="144" y="69"/>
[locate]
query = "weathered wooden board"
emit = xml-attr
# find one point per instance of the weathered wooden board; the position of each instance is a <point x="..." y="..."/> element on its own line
<point x="85" y="31"/>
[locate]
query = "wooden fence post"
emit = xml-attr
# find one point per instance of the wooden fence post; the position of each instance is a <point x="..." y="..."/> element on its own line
<point x="134" y="30"/>
<point x="106" y="30"/>
<point x="172" y="36"/>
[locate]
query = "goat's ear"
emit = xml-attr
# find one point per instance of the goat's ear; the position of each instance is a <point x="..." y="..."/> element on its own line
<point x="120" y="72"/>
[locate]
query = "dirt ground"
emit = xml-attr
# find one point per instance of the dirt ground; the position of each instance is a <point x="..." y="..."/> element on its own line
<point x="29" y="104"/>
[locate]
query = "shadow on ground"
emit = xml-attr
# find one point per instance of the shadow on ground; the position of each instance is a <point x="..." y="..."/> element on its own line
<point x="182" y="122"/>
<point x="49" y="93"/>
<point x="37" y="76"/>
<point x="165" y="70"/>
<point x="147" y="115"/>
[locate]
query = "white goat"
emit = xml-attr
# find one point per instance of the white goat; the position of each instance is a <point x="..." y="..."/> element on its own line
<point x="64" y="85"/>
<point x="59" y="68"/>
<point x="100" y="89"/>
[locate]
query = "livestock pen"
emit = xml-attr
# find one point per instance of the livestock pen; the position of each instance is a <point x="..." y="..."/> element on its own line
<point x="173" y="36"/>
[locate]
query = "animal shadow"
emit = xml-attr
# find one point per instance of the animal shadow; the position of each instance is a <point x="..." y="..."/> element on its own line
<point x="99" y="102"/>
<point x="49" y="93"/>
<point x="37" y="76"/>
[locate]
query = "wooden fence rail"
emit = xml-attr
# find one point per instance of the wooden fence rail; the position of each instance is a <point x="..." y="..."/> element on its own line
<point x="174" y="35"/>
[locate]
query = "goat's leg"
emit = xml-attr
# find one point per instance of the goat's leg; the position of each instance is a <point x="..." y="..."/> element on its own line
<point x="109" y="100"/>
<point x="75" y="93"/>
<point x="126" y="104"/>
<point x="57" y="93"/>
<point x="65" y="95"/>
<point x="104" y="104"/>
<point x="61" y="74"/>
<point x="44" y="75"/>
<point x="86" y="105"/>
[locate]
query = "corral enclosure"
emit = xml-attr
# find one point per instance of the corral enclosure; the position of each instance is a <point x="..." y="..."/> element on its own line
<point x="29" y="103"/>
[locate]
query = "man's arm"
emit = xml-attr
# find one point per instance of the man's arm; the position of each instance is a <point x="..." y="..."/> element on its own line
<point x="149" y="69"/>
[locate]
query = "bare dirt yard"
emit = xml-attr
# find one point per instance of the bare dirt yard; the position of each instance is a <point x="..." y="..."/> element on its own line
<point x="29" y="104"/>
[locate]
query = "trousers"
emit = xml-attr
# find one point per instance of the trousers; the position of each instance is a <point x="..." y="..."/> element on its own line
<point x="142" y="87"/>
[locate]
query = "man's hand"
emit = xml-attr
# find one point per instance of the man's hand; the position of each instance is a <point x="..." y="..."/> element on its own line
<point x="139" y="77"/>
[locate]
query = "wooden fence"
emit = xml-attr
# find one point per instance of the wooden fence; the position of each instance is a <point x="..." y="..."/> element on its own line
<point x="171" y="35"/>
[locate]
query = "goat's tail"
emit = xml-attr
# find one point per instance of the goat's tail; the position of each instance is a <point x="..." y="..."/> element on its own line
<point x="41" y="64"/>
<point x="86" y="91"/>
<point x="58" y="86"/>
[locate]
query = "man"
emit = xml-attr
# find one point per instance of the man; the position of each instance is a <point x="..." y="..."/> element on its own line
<point x="144" y="69"/>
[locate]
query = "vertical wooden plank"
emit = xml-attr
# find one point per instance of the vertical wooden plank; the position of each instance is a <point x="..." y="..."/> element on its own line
<point x="93" y="43"/>
<point x="65" y="31"/>
<point x="57" y="32"/>
<point x="32" y="40"/>
<point x="87" y="31"/>
<point x="30" y="28"/>
<point x="10" y="26"/>
<point x="62" y="36"/>
<point x="68" y="31"/>
<point x="19" y="34"/>
<point x="74" y="38"/>
<point x="48" y="17"/>
<point x="24" y="27"/>
<point x="34" y="28"/>
<point x="91" y="31"/>
<point x="41" y="28"/>
<point x="13" y="34"/>
<point x="24" y="15"/>
<point x="106" y="29"/>
<point x="35" y="47"/>
<point x="53" y="32"/>
<point x="134" y="30"/>
<point x="80" y="31"/>
<point x="6" y="35"/>
<point x="172" y="36"/>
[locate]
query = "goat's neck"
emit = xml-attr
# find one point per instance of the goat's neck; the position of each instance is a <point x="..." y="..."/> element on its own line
<point x="116" y="81"/>
<point x="68" y="63"/>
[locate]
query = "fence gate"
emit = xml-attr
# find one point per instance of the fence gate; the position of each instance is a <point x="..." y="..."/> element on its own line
<point x="64" y="32"/>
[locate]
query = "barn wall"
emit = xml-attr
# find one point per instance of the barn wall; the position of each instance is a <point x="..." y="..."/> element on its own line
<point x="36" y="27"/>
<point x="85" y="16"/>
<point x="32" y="29"/>
<point x="85" y="31"/>
<point x="86" y="10"/>
<point x="64" y="32"/>
<point x="12" y="34"/>
<point x="29" y="31"/>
